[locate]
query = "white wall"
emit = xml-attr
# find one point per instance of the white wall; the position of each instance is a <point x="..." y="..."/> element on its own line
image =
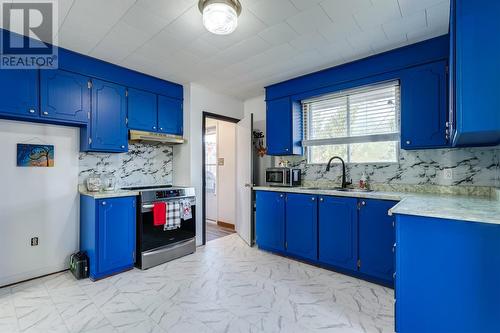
<point x="40" y="202"/>
<point x="226" y="178"/>
<point x="187" y="157"/>
<point x="257" y="106"/>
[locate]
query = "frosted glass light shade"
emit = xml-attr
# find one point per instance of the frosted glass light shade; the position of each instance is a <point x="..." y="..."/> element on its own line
<point x="220" y="18"/>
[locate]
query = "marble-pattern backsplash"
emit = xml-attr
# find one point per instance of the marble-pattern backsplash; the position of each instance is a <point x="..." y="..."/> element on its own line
<point x="469" y="166"/>
<point x="143" y="164"/>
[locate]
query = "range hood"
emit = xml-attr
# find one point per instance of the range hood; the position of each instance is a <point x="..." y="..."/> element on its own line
<point x="155" y="137"/>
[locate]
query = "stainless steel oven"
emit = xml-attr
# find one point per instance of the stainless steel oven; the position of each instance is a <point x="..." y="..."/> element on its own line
<point x="154" y="245"/>
<point x="283" y="177"/>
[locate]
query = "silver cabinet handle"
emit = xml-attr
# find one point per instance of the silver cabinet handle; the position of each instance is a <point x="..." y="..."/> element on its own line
<point x="313" y="198"/>
<point x="394" y="275"/>
<point x="394" y="248"/>
<point x="281" y="195"/>
<point x="31" y="110"/>
<point x="123" y="147"/>
<point x="45" y="113"/>
<point x="363" y="203"/>
<point x="161" y="128"/>
<point x="104" y="203"/>
<point x="154" y="127"/>
<point x="408" y="142"/>
<point x="321" y="199"/>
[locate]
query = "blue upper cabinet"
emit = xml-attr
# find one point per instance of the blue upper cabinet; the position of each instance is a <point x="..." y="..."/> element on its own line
<point x="376" y="239"/>
<point x="338" y="232"/>
<point x="270" y="220"/>
<point x="475" y="72"/>
<point x="65" y="96"/>
<point x="302" y="226"/>
<point x="19" y="93"/>
<point x="284" y="127"/>
<point x="108" y="130"/>
<point x="142" y="110"/>
<point x="170" y="115"/>
<point x="424" y="111"/>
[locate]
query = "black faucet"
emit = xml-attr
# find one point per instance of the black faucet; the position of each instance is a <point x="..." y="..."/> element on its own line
<point x="344" y="182"/>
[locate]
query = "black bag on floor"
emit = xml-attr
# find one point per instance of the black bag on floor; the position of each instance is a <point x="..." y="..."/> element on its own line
<point x="79" y="265"/>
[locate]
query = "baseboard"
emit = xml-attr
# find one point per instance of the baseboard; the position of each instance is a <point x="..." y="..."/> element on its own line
<point x="225" y="225"/>
<point x="31" y="275"/>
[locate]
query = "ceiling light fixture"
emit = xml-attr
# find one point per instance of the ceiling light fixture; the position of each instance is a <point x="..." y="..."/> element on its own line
<point x="220" y="17"/>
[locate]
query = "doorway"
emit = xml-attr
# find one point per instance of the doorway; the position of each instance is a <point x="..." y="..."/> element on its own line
<point x="219" y="176"/>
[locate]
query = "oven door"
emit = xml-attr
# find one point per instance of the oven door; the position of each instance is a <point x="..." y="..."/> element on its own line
<point x="154" y="237"/>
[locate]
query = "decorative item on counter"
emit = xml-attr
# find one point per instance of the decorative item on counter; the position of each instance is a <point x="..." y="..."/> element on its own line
<point x="94" y="183"/>
<point x="108" y="182"/>
<point x="283" y="163"/>
<point x="259" y="143"/>
<point x="363" y="184"/>
<point x="29" y="155"/>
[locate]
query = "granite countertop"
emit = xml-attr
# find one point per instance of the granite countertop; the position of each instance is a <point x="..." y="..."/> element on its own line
<point x="105" y="194"/>
<point x="464" y="208"/>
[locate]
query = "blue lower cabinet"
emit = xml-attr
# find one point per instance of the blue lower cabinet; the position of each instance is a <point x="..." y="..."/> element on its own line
<point x="338" y="232"/>
<point x="270" y="220"/>
<point x="302" y="226"/>
<point x="447" y="276"/>
<point x="108" y="129"/>
<point x="107" y="234"/>
<point x="65" y="97"/>
<point x="376" y="239"/>
<point x="19" y="94"/>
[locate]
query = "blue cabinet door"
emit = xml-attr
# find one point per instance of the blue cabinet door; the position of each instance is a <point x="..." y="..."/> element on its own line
<point x="19" y="93"/>
<point x="302" y="225"/>
<point x="270" y="220"/>
<point x="476" y="72"/>
<point x="283" y="127"/>
<point x="108" y="132"/>
<point x="142" y="110"/>
<point x="116" y="234"/>
<point x="170" y="115"/>
<point x="376" y="239"/>
<point x="338" y="232"/>
<point x="65" y="96"/>
<point x="424" y="111"/>
<point x="447" y="275"/>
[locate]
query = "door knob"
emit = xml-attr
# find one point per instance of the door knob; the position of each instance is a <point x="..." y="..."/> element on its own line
<point x="248" y="185"/>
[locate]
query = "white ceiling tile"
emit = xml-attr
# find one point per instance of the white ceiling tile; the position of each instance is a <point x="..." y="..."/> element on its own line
<point x="394" y="29"/>
<point x="275" y="11"/>
<point x="309" y="20"/>
<point x="71" y="35"/>
<point x="380" y="12"/>
<point x="410" y="6"/>
<point x="304" y="4"/>
<point x="201" y="47"/>
<point x="338" y="9"/>
<point x="188" y="26"/>
<point x="168" y="9"/>
<point x="307" y="42"/>
<point x="104" y="12"/>
<point x="122" y="40"/>
<point x="438" y="16"/>
<point x="243" y="50"/>
<point x="145" y="19"/>
<point x="419" y="36"/>
<point x="364" y="41"/>
<point x="63" y="7"/>
<point x="278" y="34"/>
<point x="339" y="29"/>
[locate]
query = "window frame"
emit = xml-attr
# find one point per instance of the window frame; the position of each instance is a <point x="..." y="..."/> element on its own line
<point x="306" y="144"/>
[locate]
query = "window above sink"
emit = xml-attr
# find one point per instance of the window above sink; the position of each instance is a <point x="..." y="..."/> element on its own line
<point x="360" y="125"/>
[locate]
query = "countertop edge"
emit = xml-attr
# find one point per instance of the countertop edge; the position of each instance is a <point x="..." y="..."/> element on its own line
<point x="106" y="195"/>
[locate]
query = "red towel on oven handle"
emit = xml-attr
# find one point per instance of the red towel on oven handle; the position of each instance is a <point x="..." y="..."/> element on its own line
<point x="159" y="213"/>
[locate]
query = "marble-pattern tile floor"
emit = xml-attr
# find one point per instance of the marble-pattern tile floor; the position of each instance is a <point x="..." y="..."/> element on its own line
<point x="224" y="287"/>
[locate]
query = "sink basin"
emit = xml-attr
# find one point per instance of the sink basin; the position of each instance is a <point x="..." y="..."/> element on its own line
<point x="337" y="189"/>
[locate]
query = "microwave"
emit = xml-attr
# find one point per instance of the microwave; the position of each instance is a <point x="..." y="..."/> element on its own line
<point x="283" y="177"/>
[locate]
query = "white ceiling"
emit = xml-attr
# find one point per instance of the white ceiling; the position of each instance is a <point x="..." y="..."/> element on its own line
<point x="275" y="40"/>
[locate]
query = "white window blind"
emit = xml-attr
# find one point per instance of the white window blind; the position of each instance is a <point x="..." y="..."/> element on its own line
<point x="360" y="125"/>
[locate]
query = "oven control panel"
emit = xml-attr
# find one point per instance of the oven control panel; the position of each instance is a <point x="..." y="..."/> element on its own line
<point x="165" y="194"/>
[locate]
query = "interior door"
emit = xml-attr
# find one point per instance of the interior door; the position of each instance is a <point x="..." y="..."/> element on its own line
<point x="244" y="176"/>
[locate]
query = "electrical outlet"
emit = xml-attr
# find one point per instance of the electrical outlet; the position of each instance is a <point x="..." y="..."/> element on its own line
<point x="448" y="174"/>
<point x="34" y="241"/>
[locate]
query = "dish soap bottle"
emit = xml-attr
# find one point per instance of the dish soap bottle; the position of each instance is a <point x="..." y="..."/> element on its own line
<point x="362" y="182"/>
